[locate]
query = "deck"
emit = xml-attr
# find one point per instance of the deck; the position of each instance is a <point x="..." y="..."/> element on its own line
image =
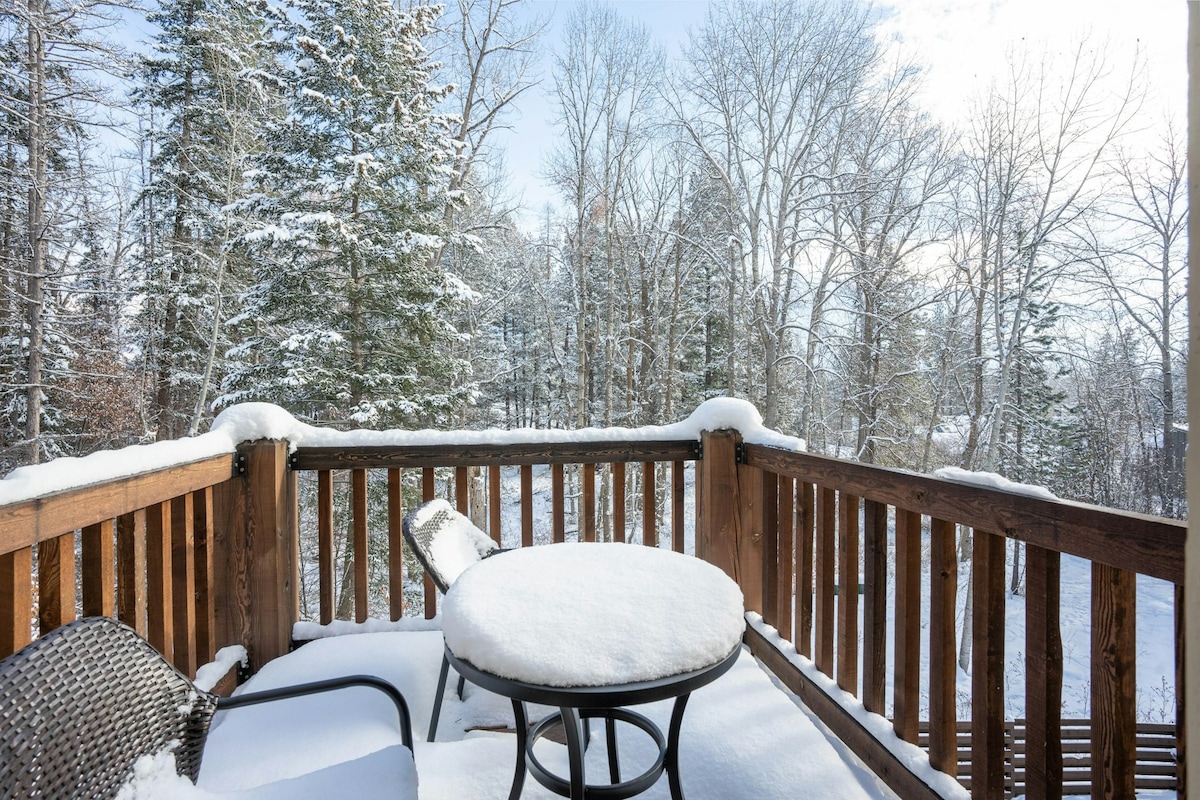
<point x="743" y="737"/>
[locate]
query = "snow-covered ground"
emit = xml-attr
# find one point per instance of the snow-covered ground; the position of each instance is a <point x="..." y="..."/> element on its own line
<point x="742" y="736"/>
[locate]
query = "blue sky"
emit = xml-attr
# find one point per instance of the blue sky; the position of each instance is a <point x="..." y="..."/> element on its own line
<point x="962" y="44"/>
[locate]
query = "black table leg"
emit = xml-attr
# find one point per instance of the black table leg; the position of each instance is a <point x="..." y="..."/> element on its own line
<point x="573" y="726"/>
<point x="522" y="725"/>
<point x="614" y="765"/>
<point x="673" y="746"/>
<point x="437" y="700"/>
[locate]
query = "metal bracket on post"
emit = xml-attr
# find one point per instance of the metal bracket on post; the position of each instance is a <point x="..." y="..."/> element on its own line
<point x="739" y="452"/>
<point x="293" y="460"/>
<point x="239" y="463"/>
<point x="699" y="451"/>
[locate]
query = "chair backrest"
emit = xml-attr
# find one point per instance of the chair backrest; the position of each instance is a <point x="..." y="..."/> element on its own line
<point x="445" y="542"/>
<point x="81" y="704"/>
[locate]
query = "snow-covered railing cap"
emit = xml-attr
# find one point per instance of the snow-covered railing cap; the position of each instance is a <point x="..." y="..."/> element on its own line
<point x="248" y="422"/>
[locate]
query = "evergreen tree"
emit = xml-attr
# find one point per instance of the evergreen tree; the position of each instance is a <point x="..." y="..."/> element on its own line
<point x="346" y="319"/>
<point x="204" y="85"/>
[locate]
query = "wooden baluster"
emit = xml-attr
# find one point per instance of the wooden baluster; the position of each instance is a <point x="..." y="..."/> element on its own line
<point x="395" y="490"/>
<point x="358" y="520"/>
<point x="825" y="556"/>
<point x="987" y="667"/>
<point x="906" y="684"/>
<point x="56" y="581"/>
<point x="494" y="503"/>
<point x="1181" y="739"/>
<point x="649" y="512"/>
<point x="1114" y="706"/>
<point x="203" y="532"/>
<point x="943" y="591"/>
<point x="131" y="570"/>
<point x="526" y="505"/>
<point x="183" y="582"/>
<point x="769" y="508"/>
<point x="618" y="488"/>
<point x="875" y="572"/>
<point x="428" y="484"/>
<point x="558" y="502"/>
<point x="159" y="619"/>
<point x="677" y="521"/>
<point x="847" y="606"/>
<point x="1043" y="675"/>
<point x="98" y="578"/>
<point x="804" y="570"/>
<point x="587" y="512"/>
<point x="16" y="597"/>
<point x="787" y="533"/>
<point x="462" y="491"/>
<point x="325" y="567"/>
<point x="428" y="491"/>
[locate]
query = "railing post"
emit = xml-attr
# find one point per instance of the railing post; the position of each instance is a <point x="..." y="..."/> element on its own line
<point x="256" y="591"/>
<point x="728" y="530"/>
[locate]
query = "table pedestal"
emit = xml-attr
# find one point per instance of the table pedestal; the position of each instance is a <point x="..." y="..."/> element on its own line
<point x="576" y="706"/>
<point x="575" y="724"/>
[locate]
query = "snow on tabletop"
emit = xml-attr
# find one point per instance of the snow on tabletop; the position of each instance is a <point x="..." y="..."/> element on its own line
<point x="991" y="480"/>
<point x="587" y="614"/>
<point x="251" y="421"/>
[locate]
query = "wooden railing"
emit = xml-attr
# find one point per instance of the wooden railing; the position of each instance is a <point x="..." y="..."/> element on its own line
<point x="644" y="456"/>
<point x="819" y="518"/>
<point x="146" y="556"/>
<point x="205" y="554"/>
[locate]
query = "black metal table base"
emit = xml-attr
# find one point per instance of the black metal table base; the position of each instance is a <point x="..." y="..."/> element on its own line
<point x="574" y="723"/>
<point x="576" y="707"/>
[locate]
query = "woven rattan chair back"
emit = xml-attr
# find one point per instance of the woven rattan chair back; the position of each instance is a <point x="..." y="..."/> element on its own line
<point x="433" y="530"/>
<point x="81" y="704"/>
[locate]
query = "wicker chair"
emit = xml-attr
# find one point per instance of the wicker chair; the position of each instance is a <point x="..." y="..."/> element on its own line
<point x="446" y="543"/>
<point x="81" y="704"/>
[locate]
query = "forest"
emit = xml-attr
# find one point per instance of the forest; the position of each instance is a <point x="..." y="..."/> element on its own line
<point x="309" y="206"/>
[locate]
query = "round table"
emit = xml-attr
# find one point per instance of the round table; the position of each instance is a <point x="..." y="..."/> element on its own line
<point x="593" y="628"/>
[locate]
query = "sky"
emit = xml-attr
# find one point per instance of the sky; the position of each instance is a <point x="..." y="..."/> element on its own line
<point x="962" y="44"/>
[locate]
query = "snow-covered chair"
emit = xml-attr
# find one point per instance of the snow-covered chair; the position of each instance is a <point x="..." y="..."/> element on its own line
<point x="446" y="543"/>
<point x="86" y="702"/>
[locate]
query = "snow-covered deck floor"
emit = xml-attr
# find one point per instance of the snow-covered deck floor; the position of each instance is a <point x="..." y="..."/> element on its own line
<point x="742" y="737"/>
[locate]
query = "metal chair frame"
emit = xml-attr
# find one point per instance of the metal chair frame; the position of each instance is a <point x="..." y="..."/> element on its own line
<point x="419" y="536"/>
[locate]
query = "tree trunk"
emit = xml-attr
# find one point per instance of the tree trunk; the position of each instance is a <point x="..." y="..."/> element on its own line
<point x="35" y="286"/>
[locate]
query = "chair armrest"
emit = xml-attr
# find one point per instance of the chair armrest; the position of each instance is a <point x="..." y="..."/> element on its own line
<point x="316" y="687"/>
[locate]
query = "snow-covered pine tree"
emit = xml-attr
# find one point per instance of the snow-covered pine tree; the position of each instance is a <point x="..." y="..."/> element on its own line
<point x="203" y="86"/>
<point x="346" y="322"/>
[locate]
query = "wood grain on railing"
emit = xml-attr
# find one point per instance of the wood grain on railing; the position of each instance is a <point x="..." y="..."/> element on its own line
<point x="359" y="543"/>
<point x="183" y="582"/>
<point x="847" y="612"/>
<point x="943" y="594"/>
<point x="824" y="561"/>
<point x="1136" y="542"/>
<point x="30" y="521"/>
<point x="649" y="516"/>
<point x="395" y="512"/>
<point x="907" y="667"/>
<point x="875" y="583"/>
<point x="1120" y="545"/>
<point x="325" y="566"/>
<point x="618" y="501"/>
